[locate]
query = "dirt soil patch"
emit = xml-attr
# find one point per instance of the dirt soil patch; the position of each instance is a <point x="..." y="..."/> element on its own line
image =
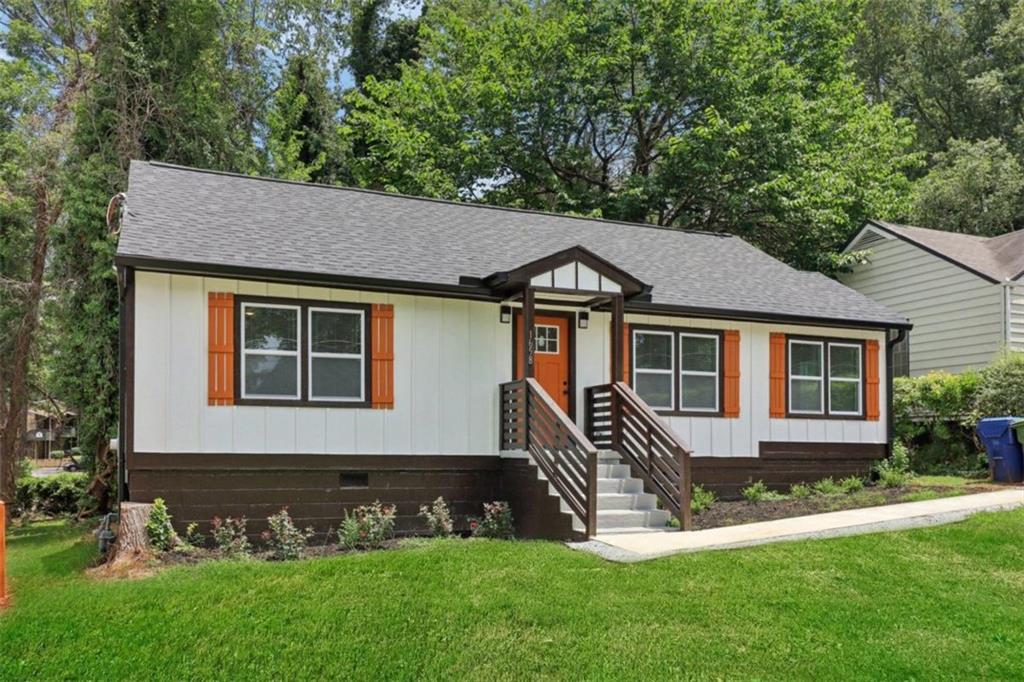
<point x="736" y="512"/>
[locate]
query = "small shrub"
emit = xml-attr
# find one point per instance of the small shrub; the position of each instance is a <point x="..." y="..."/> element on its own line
<point x="800" y="491"/>
<point x="497" y="522"/>
<point x="229" y="536"/>
<point x="851" y="484"/>
<point x="826" y="487"/>
<point x="439" y="518"/>
<point x="894" y="472"/>
<point x="934" y="414"/>
<point x="193" y="537"/>
<point x="368" y="527"/>
<point x="285" y="540"/>
<point x="158" y="526"/>
<point x="701" y="499"/>
<point x="759" y="492"/>
<point x="1001" y="391"/>
<point x="52" y="495"/>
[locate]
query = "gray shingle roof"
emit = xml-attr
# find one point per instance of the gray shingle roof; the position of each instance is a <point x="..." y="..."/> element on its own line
<point x="997" y="258"/>
<point x="216" y="219"/>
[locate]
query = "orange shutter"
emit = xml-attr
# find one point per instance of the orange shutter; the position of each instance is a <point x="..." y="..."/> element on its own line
<point x="731" y="374"/>
<point x="777" y="376"/>
<point x="221" y="342"/>
<point x="871" y="379"/>
<point x="382" y="383"/>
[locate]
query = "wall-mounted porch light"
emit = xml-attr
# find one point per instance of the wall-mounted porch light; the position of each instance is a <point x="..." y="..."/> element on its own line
<point x="583" y="320"/>
<point x="506" y="314"/>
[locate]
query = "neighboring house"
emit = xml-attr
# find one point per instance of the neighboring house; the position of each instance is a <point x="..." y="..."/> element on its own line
<point x="314" y="347"/>
<point x="48" y="434"/>
<point x="964" y="294"/>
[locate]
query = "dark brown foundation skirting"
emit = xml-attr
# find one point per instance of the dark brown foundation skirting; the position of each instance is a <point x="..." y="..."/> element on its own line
<point x="318" y="489"/>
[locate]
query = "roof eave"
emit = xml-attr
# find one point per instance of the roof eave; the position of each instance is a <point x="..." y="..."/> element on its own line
<point x="928" y="249"/>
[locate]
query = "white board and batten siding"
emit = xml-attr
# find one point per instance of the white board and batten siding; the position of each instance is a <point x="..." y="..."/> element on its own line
<point x="450" y="357"/>
<point x="1015" y="316"/>
<point x="958" y="317"/>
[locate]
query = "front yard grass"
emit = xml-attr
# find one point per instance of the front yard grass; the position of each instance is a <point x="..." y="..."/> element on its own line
<point x="941" y="602"/>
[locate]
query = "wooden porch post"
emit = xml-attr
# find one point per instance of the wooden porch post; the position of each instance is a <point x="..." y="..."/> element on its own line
<point x="528" y="332"/>
<point x="618" y="320"/>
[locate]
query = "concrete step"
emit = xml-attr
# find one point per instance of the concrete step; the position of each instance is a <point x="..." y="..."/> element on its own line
<point x="620" y="485"/>
<point x="609" y="519"/>
<point x="612" y="471"/>
<point x="640" y="501"/>
<point x="608" y="457"/>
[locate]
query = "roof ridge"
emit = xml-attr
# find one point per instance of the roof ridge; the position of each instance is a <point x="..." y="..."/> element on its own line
<point x="450" y="202"/>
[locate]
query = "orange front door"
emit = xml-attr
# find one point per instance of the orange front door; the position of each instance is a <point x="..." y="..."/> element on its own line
<point x="551" y="356"/>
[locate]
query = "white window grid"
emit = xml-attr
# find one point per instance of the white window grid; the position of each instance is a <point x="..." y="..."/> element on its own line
<point x="683" y="373"/>
<point x="671" y="371"/>
<point x="280" y="353"/>
<point x="804" y="377"/>
<point x="352" y="356"/>
<point x="857" y="381"/>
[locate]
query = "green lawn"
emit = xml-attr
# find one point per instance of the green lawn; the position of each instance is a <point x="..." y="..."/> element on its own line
<point x="944" y="602"/>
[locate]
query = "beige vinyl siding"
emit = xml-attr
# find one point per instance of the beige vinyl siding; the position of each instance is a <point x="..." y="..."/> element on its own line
<point x="957" y="316"/>
<point x="1015" y="325"/>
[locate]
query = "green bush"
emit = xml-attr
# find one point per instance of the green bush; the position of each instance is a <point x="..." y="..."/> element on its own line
<point x="826" y="487"/>
<point x="701" y="499"/>
<point x="229" y="535"/>
<point x="800" y="491"/>
<point x="158" y="526"/>
<point x="496" y="523"/>
<point x="935" y="414"/>
<point x="759" y="492"/>
<point x="1001" y="390"/>
<point x="895" y="471"/>
<point x="53" y="495"/>
<point x="438" y="517"/>
<point x="368" y="527"/>
<point x="852" y="484"/>
<point x="285" y="540"/>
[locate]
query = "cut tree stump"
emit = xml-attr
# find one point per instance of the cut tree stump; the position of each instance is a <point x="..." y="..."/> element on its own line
<point x="132" y="542"/>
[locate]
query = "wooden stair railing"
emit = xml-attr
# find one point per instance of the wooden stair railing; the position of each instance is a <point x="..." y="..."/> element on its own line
<point x="620" y="420"/>
<point x="532" y="421"/>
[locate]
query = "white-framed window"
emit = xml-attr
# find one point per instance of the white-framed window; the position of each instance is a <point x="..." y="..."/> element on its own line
<point x="826" y="377"/>
<point x="270" y="351"/>
<point x="698" y="372"/>
<point x="806" y="377"/>
<point x="654" y="367"/>
<point x="845" y="375"/>
<point x="337" y="354"/>
<point x="546" y="336"/>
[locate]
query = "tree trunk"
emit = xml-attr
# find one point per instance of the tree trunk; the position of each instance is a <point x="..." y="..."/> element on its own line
<point x="132" y="540"/>
<point x="13" y="427"/>
<point x="105" y="466"/>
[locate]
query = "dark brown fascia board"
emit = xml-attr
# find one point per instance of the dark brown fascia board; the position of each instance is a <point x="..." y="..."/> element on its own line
<point x="469" y="292"/>
<point x="921" y="246"/>
<point x="630" y="284"/>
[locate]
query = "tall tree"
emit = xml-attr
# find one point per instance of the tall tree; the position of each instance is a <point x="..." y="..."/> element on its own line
<point x="695" y="114"/>
<point x="382" y="34"/>
<point x="42" y="71"/>
<point x="301" y="126"/>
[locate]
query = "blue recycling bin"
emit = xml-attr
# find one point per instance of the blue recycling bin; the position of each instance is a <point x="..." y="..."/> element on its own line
<point x="1005" y="458"/>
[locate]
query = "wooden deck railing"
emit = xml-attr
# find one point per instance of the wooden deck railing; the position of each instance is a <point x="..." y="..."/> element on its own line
<point x="532" y="421"/>
<point x="619" y="419"/>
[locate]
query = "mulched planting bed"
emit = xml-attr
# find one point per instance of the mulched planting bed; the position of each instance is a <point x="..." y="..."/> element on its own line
<point x="735" y="512"/>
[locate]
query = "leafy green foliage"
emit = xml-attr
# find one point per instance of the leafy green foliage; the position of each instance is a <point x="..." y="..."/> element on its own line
<point x="367" y="527"/>
<point x="230" y="537"/>
<point x="438" y="517"/>
<point x="52" y="495"/>
<point x="1001" y="389"/>
<point x="800" y="491"/>
<point x="851" y="484"/>
<point x="285" y="541"/>
<point x="827" y="487"/>
<point x="701" y="499"/>
<point x="707" y="115"/>
<point x="895" y="472"/>
<point x="497" y="522"/>
<point x="934" y="414"/>
<point x="759" y="492"/>
<point x="158" y="527"/>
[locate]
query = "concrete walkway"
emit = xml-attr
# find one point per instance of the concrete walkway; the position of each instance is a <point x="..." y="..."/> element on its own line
<point x="644" y="546"/>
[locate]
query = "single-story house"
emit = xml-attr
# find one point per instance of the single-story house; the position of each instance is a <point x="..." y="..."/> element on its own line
<point x="963" y="293"/>
<point x="315" y="347"/>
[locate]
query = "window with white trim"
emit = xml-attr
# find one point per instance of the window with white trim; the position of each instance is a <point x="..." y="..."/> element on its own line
<point x="337" y="354"/>
<point x="654" y="367"/>
<point x="270" y="351"/>
<point x="826" y="378"/>
<point x="546" y="338"/>
<point x="698" y="372"/>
